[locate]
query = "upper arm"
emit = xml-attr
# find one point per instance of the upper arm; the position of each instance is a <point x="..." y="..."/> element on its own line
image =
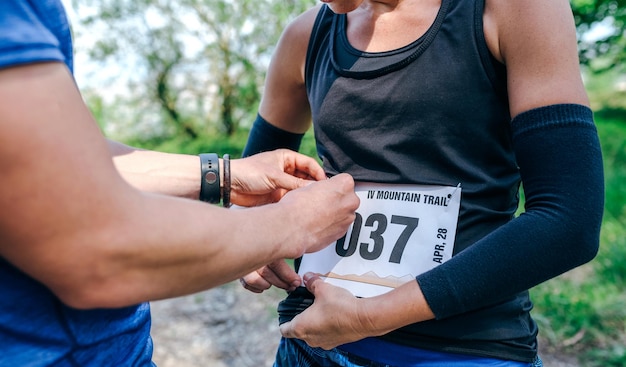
<point x="536" y="40"/>
<point x="54" y="160"/>
<point x="285" y="103"/>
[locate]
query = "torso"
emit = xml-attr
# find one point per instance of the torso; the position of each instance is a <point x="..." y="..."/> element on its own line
<point x="432" y="111"/>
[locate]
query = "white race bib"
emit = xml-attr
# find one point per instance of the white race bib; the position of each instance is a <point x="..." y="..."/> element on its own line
<point x="400" y="231"/>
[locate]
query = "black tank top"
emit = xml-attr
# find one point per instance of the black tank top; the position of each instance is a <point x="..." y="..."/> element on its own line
<point x="434" y="112"/>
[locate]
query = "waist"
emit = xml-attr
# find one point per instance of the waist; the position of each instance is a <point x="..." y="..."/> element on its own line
<point x="504" y="331"/>
<point x="399" y="355"/>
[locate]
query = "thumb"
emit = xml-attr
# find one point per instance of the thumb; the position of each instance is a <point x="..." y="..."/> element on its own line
<point x="286" y="330"/>
<point x="289" y="182"/>
<point x="312" y="281"/>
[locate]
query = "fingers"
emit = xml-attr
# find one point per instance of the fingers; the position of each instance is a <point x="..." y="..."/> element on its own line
<point x="346" y="181"/>
<point x="335" y="204"/>
<point x="265" y="177"/>
<point x="278" y="274"/>
<point x="299" y="165"/>
<point x="317" y="326"/>
<point x="299" y="170"/>
<point x="254" y="282"/>
<point x="343" y="184"/>
<point x="288" y="182"/>
<point x="333" y="318"/>
<point x="281" y="275"/>
<point x="310" y="166"/>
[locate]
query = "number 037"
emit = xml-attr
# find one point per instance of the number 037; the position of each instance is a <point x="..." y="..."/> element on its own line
<point x="378" y="223"/>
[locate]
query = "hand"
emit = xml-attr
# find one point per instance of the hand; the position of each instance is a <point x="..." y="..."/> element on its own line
<point x="326" y="208"/>
<point x="335" y="317"/>
<point x="278" y="274"/>
<point x="319" y="213"/>
<point x="265" y="177"/>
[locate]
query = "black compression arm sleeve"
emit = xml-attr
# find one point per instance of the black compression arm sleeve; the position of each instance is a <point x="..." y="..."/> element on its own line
<point x="558" y="153"/>
<point x="265" y="137"/>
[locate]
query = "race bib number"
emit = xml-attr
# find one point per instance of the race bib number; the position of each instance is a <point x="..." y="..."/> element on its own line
<point x="400" y="231"/>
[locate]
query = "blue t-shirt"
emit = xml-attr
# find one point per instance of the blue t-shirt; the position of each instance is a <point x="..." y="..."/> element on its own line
<point x="36" y="328"/>
<point x="34" y="31"/>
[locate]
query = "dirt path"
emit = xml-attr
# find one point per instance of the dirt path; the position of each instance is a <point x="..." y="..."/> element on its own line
<point x="231" y="327"/>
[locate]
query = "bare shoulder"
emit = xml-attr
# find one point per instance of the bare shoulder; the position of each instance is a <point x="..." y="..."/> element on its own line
<point x="284" y="101"/>
<point x="536" y="40"/>
<point x="298" y="31"/>
<point x="511" y="24"/>
<point x="291" y="49"/>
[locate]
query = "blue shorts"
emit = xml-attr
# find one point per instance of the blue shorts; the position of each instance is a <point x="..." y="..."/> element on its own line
<point x="296" y="353"/>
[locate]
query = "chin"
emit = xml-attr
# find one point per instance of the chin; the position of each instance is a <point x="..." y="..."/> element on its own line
<point x="342" y="6"/>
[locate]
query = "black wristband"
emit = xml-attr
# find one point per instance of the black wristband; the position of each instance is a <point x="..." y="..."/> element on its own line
<point x="210" y="178"/>
<point x="226" y="188"/>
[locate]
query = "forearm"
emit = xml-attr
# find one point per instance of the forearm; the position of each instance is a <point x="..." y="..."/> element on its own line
<point x="139" y="247"/>
<point x="117" y="246"/>
<point x="157" y="172"/>
<point x="188" y="247"/>
<point x="559" y="156"/>
<point x="400" y="307"/>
